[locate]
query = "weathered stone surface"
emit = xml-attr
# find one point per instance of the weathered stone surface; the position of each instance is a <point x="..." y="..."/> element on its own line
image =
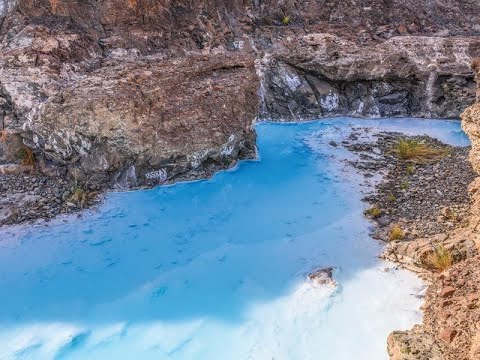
<point x="153" y="118"/>
<point x="118" y="89"/>
<point x="324" y="75"/>
<point x="450" y="329"/>
<point x="471" y="123"/>
<point x="14" y="169"/>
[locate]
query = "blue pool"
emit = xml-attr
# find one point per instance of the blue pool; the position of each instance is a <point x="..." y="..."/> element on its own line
<point x="216" y="269"/>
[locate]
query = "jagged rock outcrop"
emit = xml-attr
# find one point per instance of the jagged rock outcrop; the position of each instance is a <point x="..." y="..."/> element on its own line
<point x="110" y="111"/>
<point x="138" y="92"/>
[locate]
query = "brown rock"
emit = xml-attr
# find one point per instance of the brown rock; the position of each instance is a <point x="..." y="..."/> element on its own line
<point x="402" y="29"/>
<point x="447" y="291"/>
<point x="448" y="335"/>
<point x="10" y="169"/>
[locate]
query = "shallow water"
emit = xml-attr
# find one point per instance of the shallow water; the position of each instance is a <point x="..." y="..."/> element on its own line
<point x="216" y="269"/>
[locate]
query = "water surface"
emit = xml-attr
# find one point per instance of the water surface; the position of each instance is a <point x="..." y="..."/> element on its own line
<point x="216" y="269"/>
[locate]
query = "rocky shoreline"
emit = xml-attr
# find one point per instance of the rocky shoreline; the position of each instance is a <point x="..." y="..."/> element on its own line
<point x="28" y="196"/>
<point x="419" y="208"/>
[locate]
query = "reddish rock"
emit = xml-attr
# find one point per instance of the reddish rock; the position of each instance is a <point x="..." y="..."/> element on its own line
<point x="473" y="297"/>
<point x="447" y="291"/>
<point x="402" y="29"/>
<point x="472" y="301"/>
<point x="447" y="335"/>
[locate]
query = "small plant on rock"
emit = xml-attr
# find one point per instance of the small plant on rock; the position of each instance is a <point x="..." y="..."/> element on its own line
<point x="286" y="20"/>
<point x="374" y="212"/>
<point x="410" y="169"/>
<point x="404" y="185"/>
<point x="396" y="233"/>
<point x="391" y="198"/>
<point x="79" y="196"/>
<point x="416" y="151"/>
<point x="439" y="259"/>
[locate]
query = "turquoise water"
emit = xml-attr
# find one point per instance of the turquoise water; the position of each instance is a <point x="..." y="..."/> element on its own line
<point x="216" y="269"/>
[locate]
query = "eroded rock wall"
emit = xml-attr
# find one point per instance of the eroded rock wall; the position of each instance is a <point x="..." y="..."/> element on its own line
<point x="113" y="92"/>
<point x="324" y="75"/>
<point x="471" y="122"/>
<point x="138" y="92"/>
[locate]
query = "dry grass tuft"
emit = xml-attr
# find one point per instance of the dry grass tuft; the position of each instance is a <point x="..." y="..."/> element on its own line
<point x="391" y="198"/>
<point x="286" y="20"/>
<point x="373" y="212"/>
<point x="79" y="196"/>
<point x="396" y="233"/>
<point x="440" y="259"/>
<point x="404" y="185"/>
<point x="417" y="152"/>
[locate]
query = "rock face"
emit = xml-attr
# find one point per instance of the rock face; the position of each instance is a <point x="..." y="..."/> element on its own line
<point x="137" y="92"/>
<point x="91" y="90"/>
<point x="153" y="119"/>
<point x="324" y="75"/>
<point x="323" y="277"/>
<point x="471" y="123"/>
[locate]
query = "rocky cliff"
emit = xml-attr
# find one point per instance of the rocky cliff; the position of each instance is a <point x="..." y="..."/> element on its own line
<point x="322" y="74"/>
<point x="139" y="92"/>
<point x="450" y="329"/>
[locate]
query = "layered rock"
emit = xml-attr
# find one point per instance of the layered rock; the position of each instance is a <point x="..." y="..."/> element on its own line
<point x="118" y="115"/>
<point x="153" y="119"/>
<point x="324" y="75"/>
<point x="137" y="92"/>
<point x="471" y="123"/>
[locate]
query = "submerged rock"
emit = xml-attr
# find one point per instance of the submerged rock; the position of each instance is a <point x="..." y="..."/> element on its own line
<point x="322" y="277"/>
